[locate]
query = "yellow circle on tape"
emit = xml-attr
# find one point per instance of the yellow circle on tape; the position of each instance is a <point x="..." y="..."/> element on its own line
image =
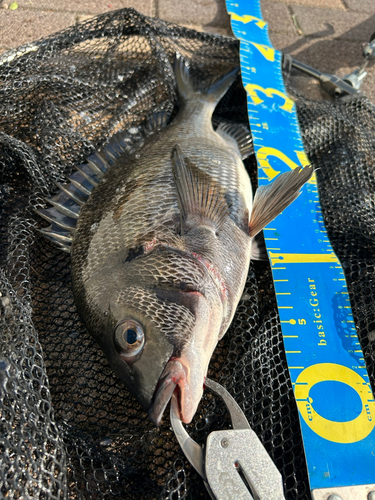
<point x="338" y="432"/>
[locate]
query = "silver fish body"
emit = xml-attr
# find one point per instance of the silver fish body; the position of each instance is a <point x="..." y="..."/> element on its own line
<point x="162" y="247"/>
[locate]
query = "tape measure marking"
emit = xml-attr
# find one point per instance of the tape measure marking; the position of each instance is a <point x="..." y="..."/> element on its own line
<point x="326" y="364"/>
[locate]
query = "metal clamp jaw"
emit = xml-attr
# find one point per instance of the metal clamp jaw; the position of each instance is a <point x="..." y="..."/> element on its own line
<point x="356" y="78"/>
<point x="234" y="463"/>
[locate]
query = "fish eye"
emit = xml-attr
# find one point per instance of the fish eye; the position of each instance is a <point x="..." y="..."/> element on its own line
<point x="129" y="337"/>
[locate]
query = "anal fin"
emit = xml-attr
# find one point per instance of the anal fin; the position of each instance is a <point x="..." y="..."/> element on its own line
<point x="274" y="197"/>
<point x="241" y="135"/>
<point x="201" y="199"/>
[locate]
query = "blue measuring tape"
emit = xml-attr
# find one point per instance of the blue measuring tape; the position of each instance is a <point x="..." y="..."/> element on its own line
<point x="326" y="364"/>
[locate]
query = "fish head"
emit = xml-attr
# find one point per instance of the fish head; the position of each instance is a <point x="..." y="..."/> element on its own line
<point x="164" y="321"/>
<point x="133" y="345"/>
<point x="186" y="370"/>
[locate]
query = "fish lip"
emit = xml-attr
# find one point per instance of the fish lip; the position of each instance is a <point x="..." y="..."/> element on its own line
<point x="173" y="374"/>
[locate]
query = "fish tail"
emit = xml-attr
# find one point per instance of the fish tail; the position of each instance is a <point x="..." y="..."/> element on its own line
<point x="271" y="199"/>
<point x="188" y="87"/>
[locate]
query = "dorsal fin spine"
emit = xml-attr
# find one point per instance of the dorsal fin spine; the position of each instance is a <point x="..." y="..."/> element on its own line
<point x="63" y="209"/>
<point x="65" y="237"/>
<point x="57" y="218"/>
<point x="60" y="244"/>
<point x="72" y="196"/>
<point x="80" y="187"/>
<point x="94" y="167"/>
<point x="87" y="176"/>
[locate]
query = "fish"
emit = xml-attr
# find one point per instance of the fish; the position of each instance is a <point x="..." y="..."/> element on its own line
<point x="160" y="225"/>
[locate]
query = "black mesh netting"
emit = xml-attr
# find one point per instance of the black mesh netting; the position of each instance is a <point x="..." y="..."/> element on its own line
<point x="69" y="428"/>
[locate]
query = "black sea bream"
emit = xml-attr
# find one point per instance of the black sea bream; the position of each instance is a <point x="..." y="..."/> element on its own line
<point x="162" y="245"/>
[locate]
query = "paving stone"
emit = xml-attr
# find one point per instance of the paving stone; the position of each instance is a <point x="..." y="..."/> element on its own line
<point x="324" y="54"/>
<point x="194" y="12"/>
<point x="361" y="6"/>
<point x="88" y="6"/>
<point x="323" y="4"/>
<point x="278" y="17"/>
<point x="282" y="40"/>
<point x="350" y="26"/>
<point x="320" y="21"/>
<point x="22" y="26"/>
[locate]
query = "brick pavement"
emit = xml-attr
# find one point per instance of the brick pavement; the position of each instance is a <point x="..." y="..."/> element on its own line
<point x="327" y="34"/>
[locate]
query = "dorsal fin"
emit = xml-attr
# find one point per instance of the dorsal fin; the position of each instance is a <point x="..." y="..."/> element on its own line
<point x="200" y="198"/>
<point x="274" y="197"/>
<point x="67" y="202"/>
<point x="58" y="219"/>
<point x="156" y="121"/>
<point x="75" y="194"/>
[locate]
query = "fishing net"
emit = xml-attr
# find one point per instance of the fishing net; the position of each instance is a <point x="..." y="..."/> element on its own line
<point x="69" y="428"/>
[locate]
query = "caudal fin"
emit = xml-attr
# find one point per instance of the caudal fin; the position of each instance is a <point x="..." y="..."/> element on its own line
<point x="189" y="88"/>
<point x="273" y="198"/>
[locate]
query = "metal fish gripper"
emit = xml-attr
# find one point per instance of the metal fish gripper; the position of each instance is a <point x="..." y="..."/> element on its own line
<point x="233" y="463"/>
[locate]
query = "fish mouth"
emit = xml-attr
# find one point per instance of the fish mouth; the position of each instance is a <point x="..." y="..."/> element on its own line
<point x="184" y="374"/>
<point x="173" y="380"/>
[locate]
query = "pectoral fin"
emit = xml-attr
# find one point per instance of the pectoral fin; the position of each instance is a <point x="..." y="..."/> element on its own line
<point x="273" y="198"/>
<point x="200" y="198"/>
